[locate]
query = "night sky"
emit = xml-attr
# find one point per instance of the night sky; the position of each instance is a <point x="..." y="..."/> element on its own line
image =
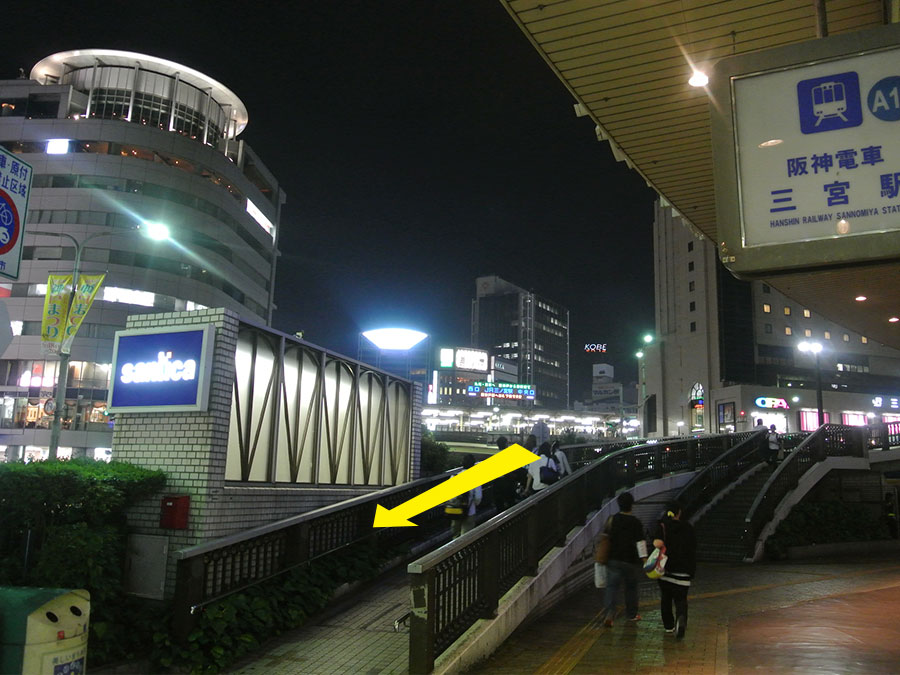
<point x="420" y="143"/>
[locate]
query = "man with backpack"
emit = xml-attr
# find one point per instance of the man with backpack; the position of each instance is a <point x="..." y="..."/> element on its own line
<point x="542" y="472"/>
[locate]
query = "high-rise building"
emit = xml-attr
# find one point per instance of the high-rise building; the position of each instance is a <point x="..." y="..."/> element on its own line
<point x="726" y="355"/>
<point x="516" y="324"/>
<point x="117" y="139"/>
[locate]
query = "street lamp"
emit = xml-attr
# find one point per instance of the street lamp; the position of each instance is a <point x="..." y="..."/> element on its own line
<point x="155" y="231"/>
<point x="815" y="348"/>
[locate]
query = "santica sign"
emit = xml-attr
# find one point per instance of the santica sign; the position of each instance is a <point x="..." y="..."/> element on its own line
<point x="162" y="369"/>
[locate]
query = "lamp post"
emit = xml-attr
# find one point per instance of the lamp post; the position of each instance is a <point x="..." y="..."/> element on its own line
<point x="815" y="348"/>
<point x="642" y="381"/>
<point x="156" y="231"/>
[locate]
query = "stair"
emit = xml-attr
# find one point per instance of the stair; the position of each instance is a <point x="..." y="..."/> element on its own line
<point x="720" y="530"/>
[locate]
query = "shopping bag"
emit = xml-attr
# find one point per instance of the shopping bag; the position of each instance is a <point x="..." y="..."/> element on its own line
<point x="599" y="575"/>
<point x="601" y="549"/>
<point x="655" y="566"/>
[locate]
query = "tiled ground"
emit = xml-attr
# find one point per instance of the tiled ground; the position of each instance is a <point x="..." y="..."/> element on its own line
<point x="838" y="617"/>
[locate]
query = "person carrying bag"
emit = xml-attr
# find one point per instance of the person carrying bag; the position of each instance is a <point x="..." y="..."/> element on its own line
<point x="675" y="540"/>
<point x="601" y="556"/>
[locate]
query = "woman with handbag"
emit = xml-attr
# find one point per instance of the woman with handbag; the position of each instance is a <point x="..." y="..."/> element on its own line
<point x="677" y="539"/>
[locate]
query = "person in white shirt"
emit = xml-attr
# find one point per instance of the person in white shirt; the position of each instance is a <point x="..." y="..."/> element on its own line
<point x="534" y="483"/>
<point x="562" y="461"/>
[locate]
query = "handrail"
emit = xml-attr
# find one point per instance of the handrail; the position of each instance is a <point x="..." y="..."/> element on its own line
<point x="461" y="582"/>
<point x="829" y="440"/>
<point x="721" y="472"/>
<point x="213" y="570"/>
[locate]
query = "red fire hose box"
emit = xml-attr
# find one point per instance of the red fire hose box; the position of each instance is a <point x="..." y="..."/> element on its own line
<point x="174" y="512"/>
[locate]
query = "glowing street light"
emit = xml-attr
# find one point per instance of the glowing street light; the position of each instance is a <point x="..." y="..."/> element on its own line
<point x="400" y="339"/>
<point x="815" y="348"/>
<point x="157" y="232"/>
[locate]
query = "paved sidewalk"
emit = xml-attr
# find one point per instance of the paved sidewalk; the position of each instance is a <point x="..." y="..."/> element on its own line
<point x="836" y="617"/>
<point x="809" y="618"/>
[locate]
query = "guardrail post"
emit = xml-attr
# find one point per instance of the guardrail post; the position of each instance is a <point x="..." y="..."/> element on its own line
<point x="692" y="454"/>
<point x="188" y="594"/>
<point x="532" y="537"/>
<point x="421" y="623"/>
<point x="629" y="471"/>
<point x="297" y="545"/>
<point x="658" y="461"/>
<point x="489" y="575"/>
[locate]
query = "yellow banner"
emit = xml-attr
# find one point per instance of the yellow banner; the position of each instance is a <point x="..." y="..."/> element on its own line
<point x="88" y="285"/>
<point x="56" y="309"/>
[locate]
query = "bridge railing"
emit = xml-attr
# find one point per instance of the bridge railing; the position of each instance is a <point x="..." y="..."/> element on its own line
<point x="829" y="440"/>
<point x="213" y="570"/>
<point x="463" y="581"/>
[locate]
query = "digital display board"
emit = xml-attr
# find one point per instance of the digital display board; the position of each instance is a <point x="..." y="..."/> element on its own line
<point x="506" y="390"/>
<point x="161" y="369"/>
<point x="472" y="359"/>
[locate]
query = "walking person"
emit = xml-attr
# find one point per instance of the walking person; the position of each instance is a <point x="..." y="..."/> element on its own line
<point x="541" y="472"/>
<point x="562" y="462"/>
<point x="773" y="442"/>
<point x="680" y="542"/>
<point x="468" y="502"/>
<point x="504" y="487"/>
<point x="627" y="550"/>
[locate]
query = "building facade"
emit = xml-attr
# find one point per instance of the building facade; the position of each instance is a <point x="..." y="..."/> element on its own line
<point x="725" y="354"/>
<point x="115" y="140"/>
<point x="518" y="325"/>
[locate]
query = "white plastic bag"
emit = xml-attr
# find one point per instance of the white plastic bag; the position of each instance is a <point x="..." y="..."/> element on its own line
<point x="599" y="575"/>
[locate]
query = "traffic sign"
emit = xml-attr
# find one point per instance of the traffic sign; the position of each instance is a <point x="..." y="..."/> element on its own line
<point x="15" y="187"/>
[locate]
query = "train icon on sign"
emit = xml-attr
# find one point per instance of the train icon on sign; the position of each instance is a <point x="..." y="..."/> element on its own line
<point x="829" y="103"/>
<point x="829" y="100"/>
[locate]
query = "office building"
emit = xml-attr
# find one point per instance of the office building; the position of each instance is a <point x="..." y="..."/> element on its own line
<point x="726" y="352"/>
<point x="116" y="139"/>
<point x="519" y="325"/>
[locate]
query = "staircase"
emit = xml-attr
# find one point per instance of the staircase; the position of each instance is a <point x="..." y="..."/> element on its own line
<point x="720" y="529"/>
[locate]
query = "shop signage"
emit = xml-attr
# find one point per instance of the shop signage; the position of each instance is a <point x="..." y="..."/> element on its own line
<point x="892" y="402"/>
<point x="472" y="359"/>
<point x="163" y="369"/>
<point x="769" y="402"/>
<point x="15" y="188"/>
<point x="595" y="347"/>
<point x="505" y="390"/>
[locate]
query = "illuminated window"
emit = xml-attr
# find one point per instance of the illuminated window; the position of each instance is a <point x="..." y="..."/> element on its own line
<point x="787" y="311"/>
<point x="807" y="333"/>
<point x="806" y="314"/>
<point x="809" y="419"/>
<point x="767" y="308"/>
<point x="788" y="331"/>
<point x="827" y="334"/>
<point x="854" y="419"/>
<point x="864" y="340"/>
<point x="846" y="337"/>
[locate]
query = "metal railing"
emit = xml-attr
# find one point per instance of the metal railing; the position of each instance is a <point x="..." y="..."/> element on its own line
<point x="728" y="466"/>
<point x="463" y="581"/>
<point x="213" y="570"/>
<point x="829" y="440"/>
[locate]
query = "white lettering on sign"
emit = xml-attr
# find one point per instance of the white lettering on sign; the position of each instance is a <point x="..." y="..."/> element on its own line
<point x="595" y="347"/>
<point x="765" y="402"/>
<point x="161" y="370"/>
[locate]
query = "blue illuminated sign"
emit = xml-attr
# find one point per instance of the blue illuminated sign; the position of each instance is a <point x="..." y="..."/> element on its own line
<point x="163" y="369"/>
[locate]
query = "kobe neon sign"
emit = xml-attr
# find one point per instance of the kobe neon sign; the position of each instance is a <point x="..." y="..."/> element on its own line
<point x="161" y="370"/>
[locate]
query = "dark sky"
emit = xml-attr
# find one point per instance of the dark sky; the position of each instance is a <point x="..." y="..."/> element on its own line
<point x="421" y="144"/>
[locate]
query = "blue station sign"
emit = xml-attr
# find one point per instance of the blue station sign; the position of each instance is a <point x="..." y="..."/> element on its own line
<point x="161" y="369"/>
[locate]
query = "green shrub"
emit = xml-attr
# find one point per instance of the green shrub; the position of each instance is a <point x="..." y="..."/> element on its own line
<point x="435" y="456"/>
<point x="235" y="626"/>
<point x="70" y="518"/>
<point x="825" y="523"/>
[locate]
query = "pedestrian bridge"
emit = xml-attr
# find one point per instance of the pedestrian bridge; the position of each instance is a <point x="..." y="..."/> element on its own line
<point x="464" y="599"/>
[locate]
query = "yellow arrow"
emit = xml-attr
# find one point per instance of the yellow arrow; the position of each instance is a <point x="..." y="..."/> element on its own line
<point x="495" y="466"/>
